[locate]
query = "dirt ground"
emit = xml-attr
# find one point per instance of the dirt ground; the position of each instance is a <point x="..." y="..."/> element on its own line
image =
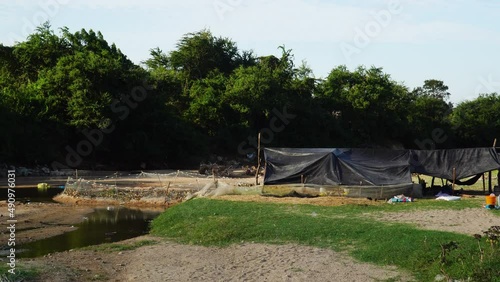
<point x="36" y="221"/>
<point x="168" y="261"/>
<point x="467" y="221"/>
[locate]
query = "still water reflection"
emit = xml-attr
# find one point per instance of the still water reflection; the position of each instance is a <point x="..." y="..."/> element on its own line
<point x="104" y="225"/>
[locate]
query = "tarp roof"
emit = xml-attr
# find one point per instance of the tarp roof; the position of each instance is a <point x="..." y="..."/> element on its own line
<point x="356" y="166"/>
<point x="467" y="162"/>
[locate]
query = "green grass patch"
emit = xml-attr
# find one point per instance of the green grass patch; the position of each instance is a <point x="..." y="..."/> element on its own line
<point x="344" y="228"/>
<point x="117" y="247"/>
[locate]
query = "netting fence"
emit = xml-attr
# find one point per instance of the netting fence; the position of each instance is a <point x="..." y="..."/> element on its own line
<point x="168" y="187"/>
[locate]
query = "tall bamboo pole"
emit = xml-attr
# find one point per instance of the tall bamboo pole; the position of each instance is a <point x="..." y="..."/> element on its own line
<point x="454" y="177"/>
<point x="258" y="161"/>
<point x="484" y="184"/>
<point x="490" y="190"/>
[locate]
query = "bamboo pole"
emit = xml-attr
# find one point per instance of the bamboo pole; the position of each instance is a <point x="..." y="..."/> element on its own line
<point x="168" y="187"/>
<point x="158" y="175"/>
<point x="498" y="180"/>
<point x="258" y="161"/>
<point x="489" y="175"/>
<point x="213" y="173"/>
<point x="490" y="190"/>
<point x="453" y="184"/>
<point x="484" y="185"/>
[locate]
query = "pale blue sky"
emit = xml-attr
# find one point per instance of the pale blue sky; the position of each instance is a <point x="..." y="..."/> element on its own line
<point x="454" y="41"/>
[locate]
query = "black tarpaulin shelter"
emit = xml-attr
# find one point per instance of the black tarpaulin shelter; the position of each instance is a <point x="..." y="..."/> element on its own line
<point x="337" y="166"/>
<point x="466" y="162"/>
<point x="372" y="167"/>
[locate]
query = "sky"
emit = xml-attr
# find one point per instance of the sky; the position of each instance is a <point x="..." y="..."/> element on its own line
<point x="456" y="41"/>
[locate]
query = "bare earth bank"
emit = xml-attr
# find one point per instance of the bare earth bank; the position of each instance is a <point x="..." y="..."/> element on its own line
<point x="167" y="261"/>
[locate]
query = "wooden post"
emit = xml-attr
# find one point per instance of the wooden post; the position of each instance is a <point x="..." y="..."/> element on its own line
<point x="213" y="173"/>
<point x="258" y="161"/>
<point x="76" y="173"/>
<point x="490" y="190"/>
<point x="158" y="175"/>
<point x="453" y="184"/>
<point x="432" y="182"/>
<point x="484" y="185"/>
<point x="168" y="187"/>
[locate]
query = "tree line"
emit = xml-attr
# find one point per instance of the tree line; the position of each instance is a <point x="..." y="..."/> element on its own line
<point x="73" y="99"/>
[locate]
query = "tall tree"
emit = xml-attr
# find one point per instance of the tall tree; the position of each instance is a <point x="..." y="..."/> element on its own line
<point x="433" y="88"/>
<point x="371" y="107"/>
<point x="430" y="113"/>
<point x="199" y="53"/>
<point x="477" y="122"/>
<point x="42" y="49"/>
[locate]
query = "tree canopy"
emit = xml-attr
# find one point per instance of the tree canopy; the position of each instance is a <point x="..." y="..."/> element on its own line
<point x="67" y="95"/>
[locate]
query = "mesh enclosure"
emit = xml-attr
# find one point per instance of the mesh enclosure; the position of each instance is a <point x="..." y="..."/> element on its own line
<point x="159" y="187"/>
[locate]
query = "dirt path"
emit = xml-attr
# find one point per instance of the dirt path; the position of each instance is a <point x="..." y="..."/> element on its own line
<point x="167" y="261"/>
<point x="249" y="262"/>
<point x="467" y="221"/>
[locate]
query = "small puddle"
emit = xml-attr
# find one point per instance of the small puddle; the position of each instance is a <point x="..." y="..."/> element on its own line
<point x="33" y="194"/>
<point x="104" y="225"/>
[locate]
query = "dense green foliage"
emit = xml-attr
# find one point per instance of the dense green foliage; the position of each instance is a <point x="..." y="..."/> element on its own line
<point x="74" y="100"/>
<point x="346" y="228"/>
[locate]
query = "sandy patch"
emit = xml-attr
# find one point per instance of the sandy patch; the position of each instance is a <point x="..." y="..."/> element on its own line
<point x="42" y="220"/>
<point x="249" y="262"/>
<point x="167" y="261"/>
<point x="467" y="221"/>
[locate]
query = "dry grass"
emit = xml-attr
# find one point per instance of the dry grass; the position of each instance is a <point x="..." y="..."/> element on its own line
<point x="319" y="201"/>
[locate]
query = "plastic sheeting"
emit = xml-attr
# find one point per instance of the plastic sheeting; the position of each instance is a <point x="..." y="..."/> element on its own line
<point x="337" y="166"/>
<point x="467" y="162"/>
<point x="372" y="167"/>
